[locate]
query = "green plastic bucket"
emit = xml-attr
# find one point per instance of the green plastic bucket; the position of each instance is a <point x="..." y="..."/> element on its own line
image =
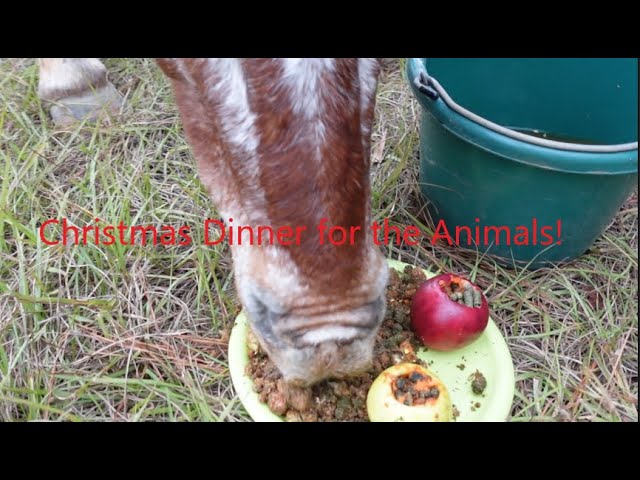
<point x="534" y="198"/>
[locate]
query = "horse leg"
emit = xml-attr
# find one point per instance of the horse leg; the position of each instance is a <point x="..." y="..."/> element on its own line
<point x="76" y="89"/>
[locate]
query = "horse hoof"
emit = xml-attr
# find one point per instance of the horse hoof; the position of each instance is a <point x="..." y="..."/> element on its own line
<point x="93" y="106"/>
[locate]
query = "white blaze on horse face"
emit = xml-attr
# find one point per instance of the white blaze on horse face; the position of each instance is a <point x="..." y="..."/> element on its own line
<point x="228" y="87"/>
<point x="303" y="76"/>
<point x="238" y="120"/>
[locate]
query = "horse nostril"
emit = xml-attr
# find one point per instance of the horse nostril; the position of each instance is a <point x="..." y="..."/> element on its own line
<point x="262" y="321"/>
<point x="379" y="304"/>
<point x="259" y="308"/>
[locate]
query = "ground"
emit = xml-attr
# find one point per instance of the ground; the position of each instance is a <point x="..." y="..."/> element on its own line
<point x="139" y="334"/>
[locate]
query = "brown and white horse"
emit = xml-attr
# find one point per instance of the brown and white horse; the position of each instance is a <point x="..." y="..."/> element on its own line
<point x="279" y="142"/>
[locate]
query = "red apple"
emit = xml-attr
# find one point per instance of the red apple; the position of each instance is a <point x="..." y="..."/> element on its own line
<point x="448" y="312"/>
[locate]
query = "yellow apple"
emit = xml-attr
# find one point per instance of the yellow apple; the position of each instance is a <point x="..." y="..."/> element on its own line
<point x="408" y="392"/>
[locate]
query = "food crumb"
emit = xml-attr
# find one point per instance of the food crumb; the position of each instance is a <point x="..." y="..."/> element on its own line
<point x="293" y="416"/>
<point x="478" y="382"/>
<point x="277" y="403"/>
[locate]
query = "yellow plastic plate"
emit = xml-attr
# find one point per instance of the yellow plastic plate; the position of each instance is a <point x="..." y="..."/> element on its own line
<point x="489" y="354"/>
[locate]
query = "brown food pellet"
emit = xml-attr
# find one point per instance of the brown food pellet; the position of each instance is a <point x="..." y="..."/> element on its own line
<point x="293" y="416"/>
<point x="309" y="416"/>
<point x="299" y="399"/>
<point x="345" y="400"/>
<point x="277" y="403"/>
<point x="478" y="382"/>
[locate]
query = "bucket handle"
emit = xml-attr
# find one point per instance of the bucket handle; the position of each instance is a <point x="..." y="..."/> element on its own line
<point x="422" y="84"/>
<point x="430" y="87"/>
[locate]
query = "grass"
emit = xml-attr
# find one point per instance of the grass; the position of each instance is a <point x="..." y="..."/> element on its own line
<point x="139" y="333"/>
